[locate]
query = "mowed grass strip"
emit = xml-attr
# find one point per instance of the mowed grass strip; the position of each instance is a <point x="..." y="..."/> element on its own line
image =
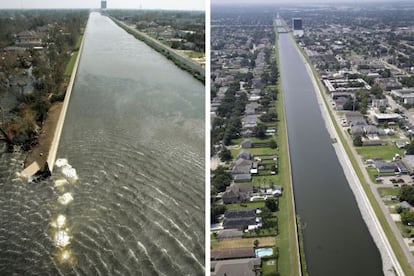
<point x="386" y="152"/>
<point x="247" y="205"/>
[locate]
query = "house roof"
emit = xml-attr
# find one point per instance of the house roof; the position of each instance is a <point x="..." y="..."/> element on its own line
<point x="242" y="177"/>
<point x="242" y="166"/>
<point x="238" y="223"/>
<point x="229" y="234"/>
<point x="386" y="166"/>
<point x="247" y="144"/>
<point x="232" y="253"/>
<point x="239" y="267"/>
<point x="405" y="205"/>
<point x="244" y="154"/>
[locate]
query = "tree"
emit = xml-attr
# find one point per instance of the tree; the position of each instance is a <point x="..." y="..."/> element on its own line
<point x="272" y="204"/>
<point x="357" y="141"/>
<point x="221" y="179"/>
<point x="215" y="211"/>
<point x="382" y="109"/>
<point x="272" y="144"/>
<point x="225" y="155"/>
<point x="270" y="116"/>
<point x="407" y="217"/>
<point x="260" y="130"/>
<point x="407" y="194"/>
<point x="256" y="243"/>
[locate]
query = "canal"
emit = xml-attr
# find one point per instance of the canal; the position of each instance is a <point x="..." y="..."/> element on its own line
<point x="336" y="239"/>
<point x="128" y="195"/>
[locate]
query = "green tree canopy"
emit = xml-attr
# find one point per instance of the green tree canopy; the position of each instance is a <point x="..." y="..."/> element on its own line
<point x="407" y="194"/>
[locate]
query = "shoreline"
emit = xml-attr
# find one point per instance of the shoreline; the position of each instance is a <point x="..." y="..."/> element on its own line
<point x="180" y="60"/>
<point x="390" y="263"/>
<point x="44" y="153"/>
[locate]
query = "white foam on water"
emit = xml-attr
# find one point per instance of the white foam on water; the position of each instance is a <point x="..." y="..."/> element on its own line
<point x="65" y="256"/>
<point x="62" y="238"/>
<point x="191" y="254"/>
<point x="61" y="162"/>
<point x="65" y="199"/>
<point x="61" y="221"/>
<point x="61" y="182"/>
<point x="167" y="196"/>
<point x="70" y="172"/>
<point x="159" y="200"/>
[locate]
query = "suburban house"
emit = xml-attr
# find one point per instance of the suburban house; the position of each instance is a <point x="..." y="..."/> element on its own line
<point x="408" y="161"/>
<point x="239" y="218"/>
<point x="28" y="38"/>
<point x="245" y="267"/>
<point x="243" y="167"/>
<point x="405" y="205"/>
<point x="232" y="253"/>
<point x="246" y="144"/>
<point x="236" y="193"/>
<point x="355" y="118"/>
<point x="252" y="108"/>
<point x="386" y="167"/>
<point x="386" y="117"/>
<point x="227" y="234"/>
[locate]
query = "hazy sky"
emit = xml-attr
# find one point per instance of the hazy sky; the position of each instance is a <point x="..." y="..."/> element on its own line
<point x="295" y="1"/>
<point x="112" y="4"/>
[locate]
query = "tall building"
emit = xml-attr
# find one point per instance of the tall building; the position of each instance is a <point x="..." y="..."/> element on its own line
<point x="297" y="24"/>
<point x="103" y="4"/>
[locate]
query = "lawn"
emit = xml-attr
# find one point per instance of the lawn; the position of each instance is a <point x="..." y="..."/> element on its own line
<point x="262" y="151"/>
<point x="386" y="152"/>
<point x="72" y="60"/>
<point x="248" y="205"/>
<point x="269" y="267"/>
<point x="243" y="242"/>
<point x="388" y="191"/>
<point x="71" y="64"/>
<point x="192" y="54"/>
<point x="253" y="139"/>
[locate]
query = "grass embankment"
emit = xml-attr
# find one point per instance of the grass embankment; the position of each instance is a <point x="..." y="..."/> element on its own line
<point x="72" y="60"/>
<point x="408" y="270"/>
<point x="196" y="74"/>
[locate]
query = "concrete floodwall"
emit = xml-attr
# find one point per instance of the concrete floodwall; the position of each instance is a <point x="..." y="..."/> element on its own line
<point x="59" y="126"/>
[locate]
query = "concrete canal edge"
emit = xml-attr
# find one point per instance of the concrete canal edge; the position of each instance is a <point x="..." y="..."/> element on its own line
<point x="180" y="60"/>
<point x="59" y="127"/>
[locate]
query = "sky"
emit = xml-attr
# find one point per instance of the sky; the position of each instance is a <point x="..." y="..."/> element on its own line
<point x="295" y="1"/>
<point x="112" y="4"/>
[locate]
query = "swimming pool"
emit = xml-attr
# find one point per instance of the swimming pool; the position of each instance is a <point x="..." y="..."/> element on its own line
<point x="262" y="252"/>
